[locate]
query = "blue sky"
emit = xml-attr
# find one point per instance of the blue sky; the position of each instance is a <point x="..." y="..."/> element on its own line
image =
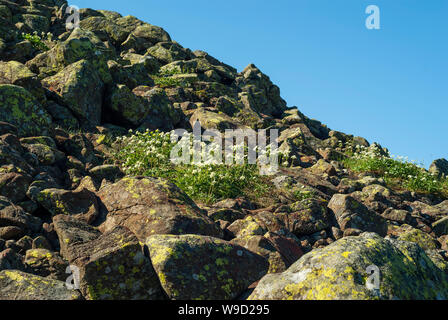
<point x="388" y="85"/>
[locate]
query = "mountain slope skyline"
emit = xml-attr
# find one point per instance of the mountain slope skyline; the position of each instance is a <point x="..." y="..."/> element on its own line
<point x="386" y="85"/>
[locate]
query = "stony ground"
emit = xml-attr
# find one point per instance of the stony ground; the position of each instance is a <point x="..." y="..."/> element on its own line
<point x="65" y="202"/>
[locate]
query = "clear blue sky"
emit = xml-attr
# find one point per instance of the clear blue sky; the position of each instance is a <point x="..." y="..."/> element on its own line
<point x="388" y="85"/>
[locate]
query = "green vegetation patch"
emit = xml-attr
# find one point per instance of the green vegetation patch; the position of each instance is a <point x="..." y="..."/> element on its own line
<point x="397" y="172"/>
<point x="148" y="153"/>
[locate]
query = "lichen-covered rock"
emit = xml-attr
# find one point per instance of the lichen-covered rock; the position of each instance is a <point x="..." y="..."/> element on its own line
<point x="12" y="215"/>
<point x="41" y="182"/>
<point x="214" y="121"/>
<point x="162" y="115"/>
<point x="11" y="160"/>
<point x="106" y="171"/>
<point x="18" y="107"/>
<point x="113" y="267"/>
<point x="44" y="263"/>
<point x="83" y="203"/>
<point x="263" y="247"/>
<point x="202" y="65"/>
<point x="17" y="285"/>
<point x="62" y="116"/>
<point x="294" y="145"/>
<point x="338" y="272"/>
<point x="33" y="22"/>
<point x="434" y="212"/>
<point x="132" y="76"/>
<point x="306" y="217"/>
<point x="11" y="260"/>
<point x="46" y="155"/>
<point x="225" y="214"/>
<point x="126" y="107"/>
<point x="14" y="186"/>
<point x="16" y="73"/>
<point x="264" y="94"/>
<point x="105" y="29"/>
<point x="80" y="89"/>
<point x="143" y="36"/>
<point x="150" y="63"/>
<point x="149" y="206"/>
<point x="10" y="233"/>
<point x="246" y="227"/>
<point x="81" y="45"/>
<point x="81" y="148"/>
<point x="400" y="216"/>
<point x="424" y="240"/>
<point x="439" y="167"/>
<point x="167" y="52"/>
<point x="440" y="227"/>
<point x="71" y="233"/>
<point x="323" y="167"/>
<point x="196" y="267"/>
<point x="352" y="214"/>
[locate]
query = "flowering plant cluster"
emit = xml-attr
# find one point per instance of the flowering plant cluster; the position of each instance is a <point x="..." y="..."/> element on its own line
<point x="397" y="171"/>
<point x="149" y="153"/>
<point x="38" y="41"/>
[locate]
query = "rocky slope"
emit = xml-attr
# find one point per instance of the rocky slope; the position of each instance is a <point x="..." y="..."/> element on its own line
<point x="64" y="202"/>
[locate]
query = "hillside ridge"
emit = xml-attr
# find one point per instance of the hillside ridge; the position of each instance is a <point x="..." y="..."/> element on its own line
<point x="87" y="181"/>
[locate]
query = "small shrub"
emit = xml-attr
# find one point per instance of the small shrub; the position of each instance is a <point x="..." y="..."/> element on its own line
<point x="36" y="40"/>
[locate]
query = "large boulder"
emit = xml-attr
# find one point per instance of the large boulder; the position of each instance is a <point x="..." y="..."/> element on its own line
<point x="439" y="167"/>
<point x="80" y="89"/>
<point x="113" y="267"/>
<point x="149" y="206"/>
<point x="214" y="121"/>
<point x="195" y="267"/>
<point x="82" y="204"/>
<point x="167" y="52"/>
<point x="18" y="285"/>
<point x="131" y="75"/>
<point x="161" y="113"/>
<point x="105" y="29"/>
<point x="352" y="214"/>
<point x="143" y="36"/>
<point x="424" y="240"/>
<point x="45" y="154"/>
<point x="44" y="263"/>
<point x="14" y="186"/>
<point x="20" y="108"/>
<point x="279" y="251"/>
<point x="264" y="94"/>
<point x="81" y="45"/>
<point x="125" y="107"/>
<point x="306" y="217"/>
<point x="201" y="65"/>
<point x="16" y="73"/>
<point x="339" y="272"/>
<point x="33" y="22"/>
<point x="11" y="260"/>
<point x="71" y="233"/>
<point x="14" y="216"/>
